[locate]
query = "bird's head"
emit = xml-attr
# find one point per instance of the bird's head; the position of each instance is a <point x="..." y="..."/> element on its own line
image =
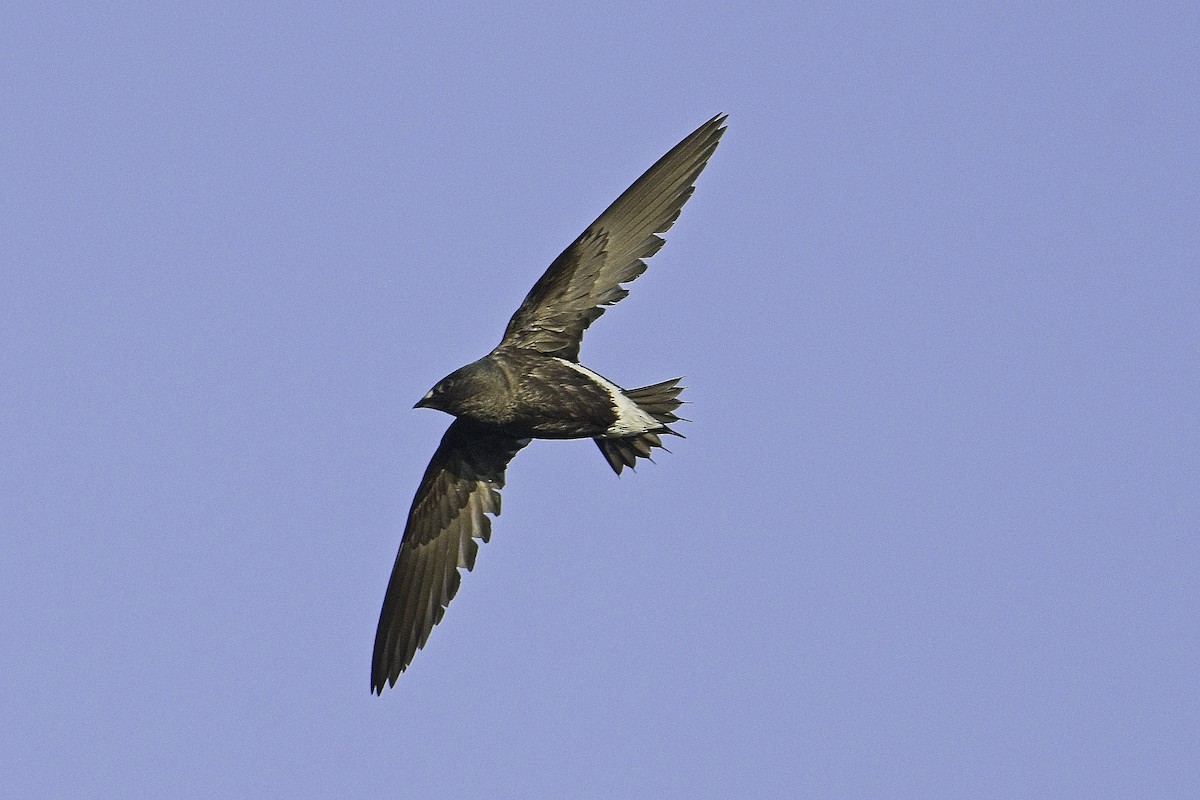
<point x="451" y="392"/>
<point x="439" y="397"/>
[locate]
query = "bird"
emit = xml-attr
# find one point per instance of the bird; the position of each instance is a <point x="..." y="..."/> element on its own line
<point x="532" y="386"/>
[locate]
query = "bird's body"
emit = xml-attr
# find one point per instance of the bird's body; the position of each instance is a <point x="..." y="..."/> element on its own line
<point x="532" y="386"/>
<point x="540" y="397"/>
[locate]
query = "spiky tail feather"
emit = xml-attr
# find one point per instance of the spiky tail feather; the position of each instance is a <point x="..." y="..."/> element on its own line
<point x="659" y="401"/>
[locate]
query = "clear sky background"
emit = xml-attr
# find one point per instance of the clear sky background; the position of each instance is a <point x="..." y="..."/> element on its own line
<point x="934" y="529"/>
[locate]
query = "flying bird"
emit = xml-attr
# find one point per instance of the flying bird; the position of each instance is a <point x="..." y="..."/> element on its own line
<point x="532" y="386"/>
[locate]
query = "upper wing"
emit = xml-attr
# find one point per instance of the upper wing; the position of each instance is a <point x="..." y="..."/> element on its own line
<point x="461" y="485"/>
<point x="587" y="276"/>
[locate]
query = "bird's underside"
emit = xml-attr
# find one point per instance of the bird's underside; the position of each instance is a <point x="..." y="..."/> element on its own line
<point x="532" y="386"/>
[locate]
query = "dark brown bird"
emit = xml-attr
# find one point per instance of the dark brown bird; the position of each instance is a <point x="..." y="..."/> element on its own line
<point x="532" y="386"/>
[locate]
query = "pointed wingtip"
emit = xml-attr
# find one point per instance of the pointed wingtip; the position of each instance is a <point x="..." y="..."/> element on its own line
<point x="718" y="124"/>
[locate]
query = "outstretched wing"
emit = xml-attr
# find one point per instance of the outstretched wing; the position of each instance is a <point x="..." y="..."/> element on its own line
<point x="460" y="488"/>
<point x="587" y="276"/>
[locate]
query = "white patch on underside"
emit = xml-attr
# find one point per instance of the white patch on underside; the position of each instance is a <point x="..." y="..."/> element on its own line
<point x="631" y="418"/>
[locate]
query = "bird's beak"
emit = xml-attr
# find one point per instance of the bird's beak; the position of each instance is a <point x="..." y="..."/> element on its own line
<point x="424" y="401"/>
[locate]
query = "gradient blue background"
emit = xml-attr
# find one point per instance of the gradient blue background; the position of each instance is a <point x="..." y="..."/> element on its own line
<point x="934" y="529"/>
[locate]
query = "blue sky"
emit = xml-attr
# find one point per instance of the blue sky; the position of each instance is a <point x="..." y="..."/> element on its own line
<point x="933" y="532"/>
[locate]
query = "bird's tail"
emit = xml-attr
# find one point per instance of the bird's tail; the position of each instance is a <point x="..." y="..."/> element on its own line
<point x="660" y="402"/>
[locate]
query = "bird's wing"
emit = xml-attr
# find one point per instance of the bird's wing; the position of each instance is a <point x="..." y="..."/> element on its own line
<point x="587" y="276"/>
<point x="460" y="488"/>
